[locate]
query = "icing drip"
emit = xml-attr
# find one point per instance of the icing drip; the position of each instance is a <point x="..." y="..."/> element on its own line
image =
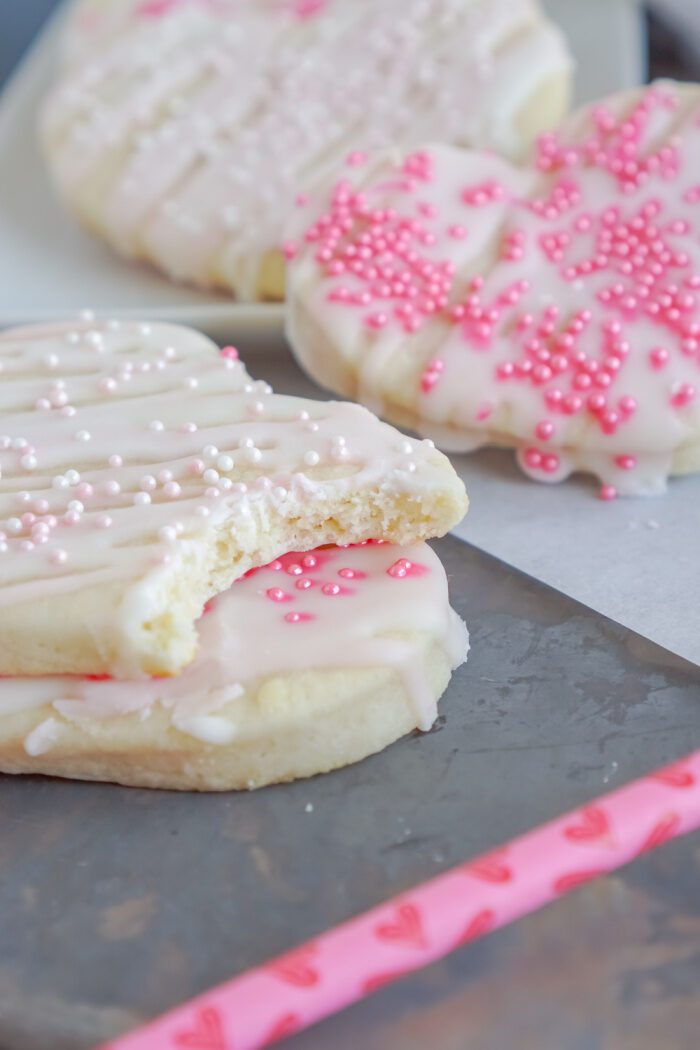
<point x="176" y="120"/>
<point x="556" y="308"/>
<point x="352" y="608"/>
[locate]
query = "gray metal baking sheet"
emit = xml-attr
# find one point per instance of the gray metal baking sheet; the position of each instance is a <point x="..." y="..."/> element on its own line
<point x="116" y="904"/>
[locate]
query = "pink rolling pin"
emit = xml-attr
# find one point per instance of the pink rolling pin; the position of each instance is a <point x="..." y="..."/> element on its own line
<point x="351" y="961"/>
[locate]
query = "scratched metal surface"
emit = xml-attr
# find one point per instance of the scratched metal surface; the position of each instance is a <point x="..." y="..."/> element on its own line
<point x="116" y="904"/>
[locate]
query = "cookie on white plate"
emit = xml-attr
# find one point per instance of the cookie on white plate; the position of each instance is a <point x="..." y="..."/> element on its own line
<point x="554" y="308"/>
<point x="142" y="471"/>
<point x="182" y="131"/>
<point x="308" y="664"/>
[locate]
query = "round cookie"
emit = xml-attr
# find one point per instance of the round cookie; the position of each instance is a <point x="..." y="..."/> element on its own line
<point x="554" y="308"/>
<point x="181" y="131"/>
<point x="142" y="471"/>
<point x="313" y="662"/>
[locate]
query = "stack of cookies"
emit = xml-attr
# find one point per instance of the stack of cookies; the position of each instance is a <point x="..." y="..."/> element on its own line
<point x="156" y="628"/>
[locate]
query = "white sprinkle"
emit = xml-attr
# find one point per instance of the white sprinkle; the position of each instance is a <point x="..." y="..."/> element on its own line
<point x="256" y="408"/>
<point x="51" y="360"/>
<point x="201" y="511"/>
<point x="104" y="521"/>
<point x="29" y="462"/>
<point x="157" y="425"/>
<point x="210" y="451"/>
<point x="309" y="807"/>
<point x="19" y="443"/>
<point x="164" y="476"/>
<point x="167" y="534"/>
<point x="72" y="476"/>
<point x="108" y="385"/>
<point x="23" y="497"/>
<point x="225" y="484"/>
<point x="224" y="463"/>
<point x="189" y="428"/>
<point x="172" y="490"/>
<point x="169" y="353"/>
<point x="653" y="524"/>
<point x="76" y="505"/>
<point x="191" y="383"/>
<point x="83" y="435"/>
<point x="42" y="404"/>
<point x="304" y="415"/>
<point x="313" y="427"/>
<point x="147" y="483"/>
<point x="141" y="499"/>
<point x="59" y="556"/>
<point x="60" y="482"/>
<point x="115" y="461"/>
<point x="73" y="338"/>
<point x="111" y="488"/>
<point x="406" y="448"/>
<point x="87" y="316"/>
<point x="211" y="476"/>
<point x="145" y="329"/>
<point x="94" y="338"/>
<point x="68" y="411"/>
<point x="312" y="459"/>
<point x="246" y="442"/>
<point x="253" y="455"/>
<point x="5" y="442"/>
<point x="13" y="525"/>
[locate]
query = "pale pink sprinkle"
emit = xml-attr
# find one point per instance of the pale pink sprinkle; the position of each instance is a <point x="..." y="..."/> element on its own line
<point x="331" y="589"/>
<point x="276" y="594"/>
<point x="304" y="584"/>
<point x="297" y="617"/>
<point x="290" y="250"/>
<point x="356" y="158"/>
<point x="351" y="574"/>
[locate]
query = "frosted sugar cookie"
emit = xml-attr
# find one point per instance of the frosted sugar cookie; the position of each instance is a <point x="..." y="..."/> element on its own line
<point x="553" y="308"/>
<point x="313" y="662"/>
<point x="181" y="131"/>
<point x="142" y="471"/>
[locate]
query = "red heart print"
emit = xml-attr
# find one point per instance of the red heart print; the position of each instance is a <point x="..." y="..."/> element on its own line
<point x="286" y="1025"/>
<point x="593" y="826"/>
<point x="407" y="928"/>
<point x="574" y="879"/>
<point x="483" y="922"/>
<point x="666" y="828"/>
<point x="295" y="968"/>
<point x="207" y="1034"/>
<point x="675" y="776"/>
<point x="491" y="868"/>
<point x="380" y="980"/>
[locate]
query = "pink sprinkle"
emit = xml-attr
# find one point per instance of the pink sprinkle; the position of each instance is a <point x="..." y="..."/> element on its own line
<point x="276" y="594"/>
<point x="684" y="395"/>
<point x="294" y="569"/>
<point x="626" y="462"/>
<point x="376" y="321"/>
<point x="544" y="430"/>
<point x="290" y="249"/>
<point x="356" y="159"/>
<point x="304" y="584"/>
<point x="608" y="492"/>
<point x="658" y="357"/>
<point x="230" y="352"/>
<point x="298" y="617"/>
<point x="533" y="458"/>
<point x="352" y="574"/>
<point x="404" y="568"/>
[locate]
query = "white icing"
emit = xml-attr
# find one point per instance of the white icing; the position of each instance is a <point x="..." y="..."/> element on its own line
<point x="180" y="441"/>
<point x="170" y="132"/>
<point x="469" y="404"/>
<point x="386" y="597"/>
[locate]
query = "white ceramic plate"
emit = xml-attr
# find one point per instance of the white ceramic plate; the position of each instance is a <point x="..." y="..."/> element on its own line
<point x="50" y="268"/>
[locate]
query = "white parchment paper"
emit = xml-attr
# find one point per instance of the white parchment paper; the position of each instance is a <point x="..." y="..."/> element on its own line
<point x="634" y="560"/>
